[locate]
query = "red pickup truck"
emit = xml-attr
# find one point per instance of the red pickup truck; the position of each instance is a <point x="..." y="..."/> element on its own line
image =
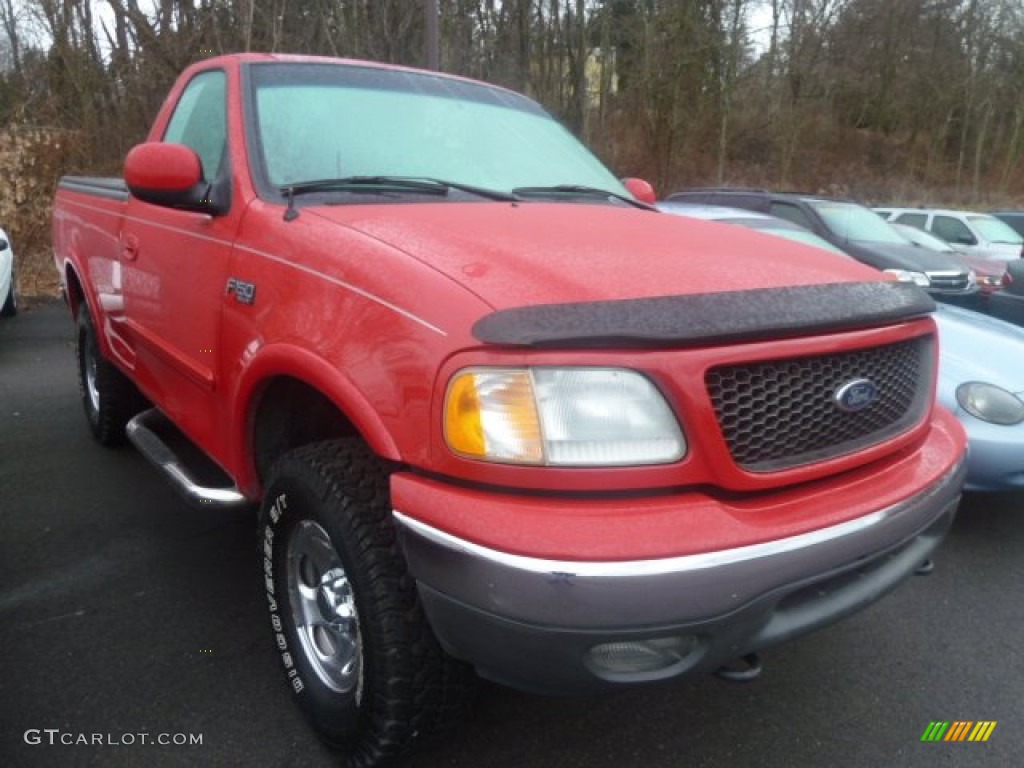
<point x="499" y="415"/>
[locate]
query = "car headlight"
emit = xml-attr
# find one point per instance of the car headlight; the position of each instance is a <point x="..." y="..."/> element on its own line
<point x="990" y="403"/>
<point x="906" y="276"/>
<point x="989" y="279"/>
<point x="573" y="417"/>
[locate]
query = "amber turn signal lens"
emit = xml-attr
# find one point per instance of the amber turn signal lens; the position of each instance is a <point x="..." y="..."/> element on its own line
<point x="490" y="413"/>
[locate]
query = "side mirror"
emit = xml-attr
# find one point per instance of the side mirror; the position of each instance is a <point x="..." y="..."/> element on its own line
<point x="641" y="190"/>
<point x="167" y="174"/>
<point x="3" y="244"/>
<point x="965" y="240"/>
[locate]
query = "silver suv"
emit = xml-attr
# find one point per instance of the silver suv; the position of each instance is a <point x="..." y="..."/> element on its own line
<point x="975" y="234"/>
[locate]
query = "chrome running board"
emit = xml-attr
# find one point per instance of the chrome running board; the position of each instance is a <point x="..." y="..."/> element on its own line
<point x="143" y="432"/>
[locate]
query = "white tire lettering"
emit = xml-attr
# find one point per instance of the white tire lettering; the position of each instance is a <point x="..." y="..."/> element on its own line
<point x="280" y="504"/>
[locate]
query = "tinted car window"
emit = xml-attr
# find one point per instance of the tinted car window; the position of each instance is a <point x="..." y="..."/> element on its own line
<point x="952" y="230"/>
<point x="791" y="212"/>
<point x="1015" y="220"/>
<point x="913" y="219"/>
<point x="747" y="202"/>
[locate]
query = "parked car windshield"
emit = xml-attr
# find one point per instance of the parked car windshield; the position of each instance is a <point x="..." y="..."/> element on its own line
<point x="855" y="222"/>
<point x="994" y="230"/>
<point x="800" y="236"/>
<point x="923" y="238"/>
<point x="329" y="121"/>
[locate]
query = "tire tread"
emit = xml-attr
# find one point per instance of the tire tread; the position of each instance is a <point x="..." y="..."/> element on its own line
<point x="119" y="398"/>
<point x="420" y="691"/>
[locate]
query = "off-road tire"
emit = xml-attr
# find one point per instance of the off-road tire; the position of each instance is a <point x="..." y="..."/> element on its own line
<point x="327" y="511"/>
<point x="108" y="396"/>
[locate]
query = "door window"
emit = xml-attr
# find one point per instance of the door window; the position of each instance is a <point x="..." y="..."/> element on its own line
<point x="791" y="213"/>
<point x="200" y="120"/>
<point x="952" y="230"/>
<point x="913" y="219"/>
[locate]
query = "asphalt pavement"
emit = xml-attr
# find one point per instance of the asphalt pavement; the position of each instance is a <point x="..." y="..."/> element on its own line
<point x="129" y="619"/>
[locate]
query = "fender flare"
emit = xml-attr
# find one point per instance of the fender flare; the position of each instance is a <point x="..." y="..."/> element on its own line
<point x="285" y="360"/>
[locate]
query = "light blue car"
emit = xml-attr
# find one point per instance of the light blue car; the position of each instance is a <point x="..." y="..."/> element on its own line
<point x="981" y="380"/>
<point x="981" y="365"/>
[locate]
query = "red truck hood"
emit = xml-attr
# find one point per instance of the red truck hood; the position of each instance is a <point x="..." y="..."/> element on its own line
<point x="547" y="253"/>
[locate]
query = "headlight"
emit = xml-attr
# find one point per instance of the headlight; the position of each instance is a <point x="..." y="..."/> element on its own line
<point x="990" y="403"/>
<point x="989" y="279"/>
<point x="573" y="417"/>
<point x="905" y="276"/>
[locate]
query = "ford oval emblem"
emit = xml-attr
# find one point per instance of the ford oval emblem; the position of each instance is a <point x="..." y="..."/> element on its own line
<point x="855" y="395"/>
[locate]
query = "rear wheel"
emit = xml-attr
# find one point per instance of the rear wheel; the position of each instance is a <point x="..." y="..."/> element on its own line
<point x="355" y="645"/>
<point x="108" y="396"/>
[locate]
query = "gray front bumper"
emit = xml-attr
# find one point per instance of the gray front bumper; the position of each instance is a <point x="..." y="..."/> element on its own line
<point x="530" y="623"/>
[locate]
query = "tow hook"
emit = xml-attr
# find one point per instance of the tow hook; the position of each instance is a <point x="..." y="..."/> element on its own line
<point x="743" y="670"/>
<point x="925" y="568"/>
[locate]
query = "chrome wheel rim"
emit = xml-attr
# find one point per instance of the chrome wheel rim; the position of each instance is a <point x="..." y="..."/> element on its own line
<point x="90" y="376"/>
<point x="323" y="607"/>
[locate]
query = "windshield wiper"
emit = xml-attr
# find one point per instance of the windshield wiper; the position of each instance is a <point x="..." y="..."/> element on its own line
<point x="384" y="185"/>
<point x="363" y="184"/>
<point x="579" y="190"/>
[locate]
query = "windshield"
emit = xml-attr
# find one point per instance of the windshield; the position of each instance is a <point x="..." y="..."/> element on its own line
<point x="327" y="121"/>
<point x="994" y="230"/>
<point x="850" y="221"/>
<point x="802" y="236"/>
<point x="924" y="239"/>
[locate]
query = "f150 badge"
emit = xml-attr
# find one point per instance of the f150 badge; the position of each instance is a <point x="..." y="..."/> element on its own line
<point x="245" y="293"/>
<point x="855" y="395"/>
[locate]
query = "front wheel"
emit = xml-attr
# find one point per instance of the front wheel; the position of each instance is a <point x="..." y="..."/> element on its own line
<point x="354" y="643"/>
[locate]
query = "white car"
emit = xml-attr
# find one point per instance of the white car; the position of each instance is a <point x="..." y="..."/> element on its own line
<point x="974" y="234"/>
<point x="8" y="297"/>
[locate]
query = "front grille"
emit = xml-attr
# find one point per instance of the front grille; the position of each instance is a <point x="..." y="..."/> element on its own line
<point x="783" y="413"/>
<point x="949" y="281"/>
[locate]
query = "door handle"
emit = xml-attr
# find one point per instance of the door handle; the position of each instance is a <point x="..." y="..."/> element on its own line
<point x="130" y="247"/>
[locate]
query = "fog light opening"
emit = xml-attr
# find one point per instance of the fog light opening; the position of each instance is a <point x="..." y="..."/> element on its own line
<point x="641" y="657"/>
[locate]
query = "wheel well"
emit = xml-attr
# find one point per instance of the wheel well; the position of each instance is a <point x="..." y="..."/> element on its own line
<point x="73" y="288"/>
<point x="290" y="414"/>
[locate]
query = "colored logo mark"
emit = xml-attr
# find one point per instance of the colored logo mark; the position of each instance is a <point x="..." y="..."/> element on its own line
<point x="855" y="395"/>
<point x="958" y="730"/>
